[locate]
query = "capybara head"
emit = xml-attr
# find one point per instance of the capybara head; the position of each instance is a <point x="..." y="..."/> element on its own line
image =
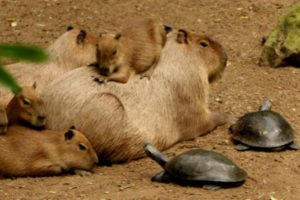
<point x="27" y="106"/>
<point x="78" y="152"/>
<point x="109" y="53"/>
<point x="212" y="51"/>
<point x="75" y="48"/>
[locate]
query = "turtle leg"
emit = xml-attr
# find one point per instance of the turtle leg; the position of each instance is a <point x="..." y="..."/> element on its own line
<point x="294" y="146"/>
<point x="211" y="187"/>
<point x="241" y="147"/>
<point x="161" y="177"/>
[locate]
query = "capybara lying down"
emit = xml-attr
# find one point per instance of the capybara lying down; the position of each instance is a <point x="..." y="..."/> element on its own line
<point x="119" y="118"/>
<point x="25" y="108"/>
<point x="27" y="152"/>
<point x="73" y="49"/>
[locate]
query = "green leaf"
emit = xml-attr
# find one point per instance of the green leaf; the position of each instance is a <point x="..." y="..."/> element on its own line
<point x="7" y="80"/>
<point x="22" y="52"/>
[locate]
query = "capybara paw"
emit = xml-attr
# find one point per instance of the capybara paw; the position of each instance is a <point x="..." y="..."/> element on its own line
<point x="145" y="76"/>
<point x="221" y="118"/>
<point x="99" y="80"/>
<point x="82" y="172"/>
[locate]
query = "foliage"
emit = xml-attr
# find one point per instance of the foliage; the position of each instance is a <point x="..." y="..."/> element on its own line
<point x="284" y="41"/>
<point x="18" y="52"/>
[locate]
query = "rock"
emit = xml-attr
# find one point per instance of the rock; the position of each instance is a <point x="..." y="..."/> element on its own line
<point x="282" y="47"/>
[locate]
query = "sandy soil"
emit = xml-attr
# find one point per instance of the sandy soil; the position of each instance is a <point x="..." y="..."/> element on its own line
<point x="239" y="26"/>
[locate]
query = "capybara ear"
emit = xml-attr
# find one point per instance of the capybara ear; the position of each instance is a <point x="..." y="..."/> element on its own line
<point x="182" y="36"/>
<point x="81" y="37"/>
<point x="70" y="28"/>
<point x="72" y="127"/>
<point x="69" y="135"/>
<point x="168" y="28"/>
<point x="34" y="85"/>
<point x="118" y="36"/>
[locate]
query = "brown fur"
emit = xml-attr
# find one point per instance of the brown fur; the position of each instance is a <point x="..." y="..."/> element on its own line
<point x="171" y="108"/>
<point x="73" y="49"/>
<point x="26" y="152"/>
<point x="3" y="120"/>
<point x="26" y="107"/>
<point x="136" y="49"/>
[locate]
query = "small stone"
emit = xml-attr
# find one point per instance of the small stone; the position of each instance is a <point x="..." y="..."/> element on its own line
<point x="219" y="100"/>
<point x="13" y="24"/>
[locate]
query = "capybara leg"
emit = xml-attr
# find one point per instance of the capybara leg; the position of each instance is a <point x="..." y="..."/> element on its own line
<point x="121" y="76"/>
<point x="46" y="168"/>
<point x="3" y="120"/>
<point x="148" y="73"/>
<point x="216" y="119"/>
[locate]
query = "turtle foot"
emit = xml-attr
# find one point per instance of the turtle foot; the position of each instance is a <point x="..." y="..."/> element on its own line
<point x="161" y="177"/>
<point x="211" y="187"/>
<point x="294" y="146"/>
<point x="241" y="147"/>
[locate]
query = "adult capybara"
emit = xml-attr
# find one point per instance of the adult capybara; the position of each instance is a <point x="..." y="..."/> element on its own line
<point x="120" y="118"/>
<point x="73" y="49"/>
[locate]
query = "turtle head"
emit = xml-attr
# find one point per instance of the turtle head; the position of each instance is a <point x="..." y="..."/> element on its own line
<point x="265" y="105"/>
<point x="155" y="154"/>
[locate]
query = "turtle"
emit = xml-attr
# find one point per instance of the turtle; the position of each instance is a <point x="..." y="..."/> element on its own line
<point x="197" y="167"/>
<point x="263" y="130"/>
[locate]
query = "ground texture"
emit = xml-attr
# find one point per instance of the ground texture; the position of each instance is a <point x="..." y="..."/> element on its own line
<point x="239" y="26"/>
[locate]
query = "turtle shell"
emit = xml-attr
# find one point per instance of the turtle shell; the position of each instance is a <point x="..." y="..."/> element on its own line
<point x="263" y="129"/>
<point x="203" y="165"/>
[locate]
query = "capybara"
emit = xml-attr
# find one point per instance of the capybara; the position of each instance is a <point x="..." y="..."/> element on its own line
<point x="26" y="108"/>
<point x="120" y="118"/>
<point x="27" y="152"/>
<point x="73" y="49"/>
<point x="135" y="50"/>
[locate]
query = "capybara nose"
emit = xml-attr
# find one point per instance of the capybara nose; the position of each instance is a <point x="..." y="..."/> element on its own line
<point x="104" y="71"/>
<point x="230" y="129"/>
<point x="41" y="117"/>
<point x="168" y="28"/>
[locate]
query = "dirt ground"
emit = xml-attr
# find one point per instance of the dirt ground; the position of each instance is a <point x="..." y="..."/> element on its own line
<point x="239" y="26"/>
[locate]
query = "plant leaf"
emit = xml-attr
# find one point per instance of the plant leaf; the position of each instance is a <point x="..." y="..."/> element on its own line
<point x="22" y="52"/>
<point x="7" y="80"/>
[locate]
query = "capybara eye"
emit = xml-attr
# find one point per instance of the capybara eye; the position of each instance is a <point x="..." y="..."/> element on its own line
<point x="26" y="101"/>
<point x="114" y="52"/>
<point x="70" y="28"/>
<point x="82" y="147"/>
<point x="204" y="43"/>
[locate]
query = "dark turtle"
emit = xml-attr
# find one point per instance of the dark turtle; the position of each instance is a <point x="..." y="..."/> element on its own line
<point x="263" y="130"/>
<point x="197" y="167"/>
